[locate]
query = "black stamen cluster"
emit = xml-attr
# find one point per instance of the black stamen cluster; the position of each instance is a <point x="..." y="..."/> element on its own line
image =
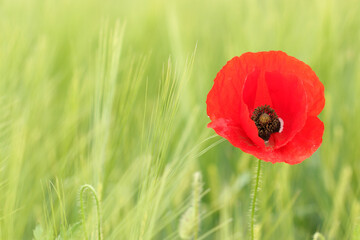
<point x="266" y="121"/>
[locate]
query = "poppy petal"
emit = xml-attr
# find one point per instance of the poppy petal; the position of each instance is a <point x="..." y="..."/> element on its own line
<point x="233" y="133"/>
<point x="278" y="61"/>
<point x="313" y="87"/>
<point x="289" y="102"/>
<point x="303" y="145"/>
<point x="224" y="100"/>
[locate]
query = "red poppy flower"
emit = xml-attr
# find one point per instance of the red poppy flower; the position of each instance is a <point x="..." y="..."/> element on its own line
<point x="266" y="104"/>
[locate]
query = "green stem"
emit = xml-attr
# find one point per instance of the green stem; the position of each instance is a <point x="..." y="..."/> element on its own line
<point x="92" y="190"/>
<point x="254" y="199"/>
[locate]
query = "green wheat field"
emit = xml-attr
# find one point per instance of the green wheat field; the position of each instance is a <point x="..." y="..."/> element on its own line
<point x="103" y="121"/>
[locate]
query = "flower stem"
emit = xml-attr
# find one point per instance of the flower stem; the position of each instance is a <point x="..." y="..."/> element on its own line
<point x="254" y="199"/>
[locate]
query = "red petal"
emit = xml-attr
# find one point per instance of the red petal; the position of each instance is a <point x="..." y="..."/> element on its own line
<point x="278" y="61"/>
<point x="313" y="87"/>
<point x="255" y="91"/>
<point x="234" y="134"/>
<point x="289" y="102"/>
<point x="224" y="100"/>
<point x="303" y="145"/>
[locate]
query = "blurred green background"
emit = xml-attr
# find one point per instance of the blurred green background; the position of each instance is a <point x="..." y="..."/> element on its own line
<point x="112" y="94"/>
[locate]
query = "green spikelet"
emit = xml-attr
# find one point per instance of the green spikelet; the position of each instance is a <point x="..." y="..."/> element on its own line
<point x="98" y="209"/>
<point x="257" y="231"/>
<point x="190" y="221"/>
<point x="318" y="236"/>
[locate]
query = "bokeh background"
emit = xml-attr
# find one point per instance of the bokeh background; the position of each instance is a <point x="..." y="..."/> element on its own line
<point x="112" y="94"/>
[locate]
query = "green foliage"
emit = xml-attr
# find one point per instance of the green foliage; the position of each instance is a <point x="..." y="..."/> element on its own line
<point x="112" y="94"/>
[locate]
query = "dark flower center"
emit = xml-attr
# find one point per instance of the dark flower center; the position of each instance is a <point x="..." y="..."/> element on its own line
<point x="266" y="121"/>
